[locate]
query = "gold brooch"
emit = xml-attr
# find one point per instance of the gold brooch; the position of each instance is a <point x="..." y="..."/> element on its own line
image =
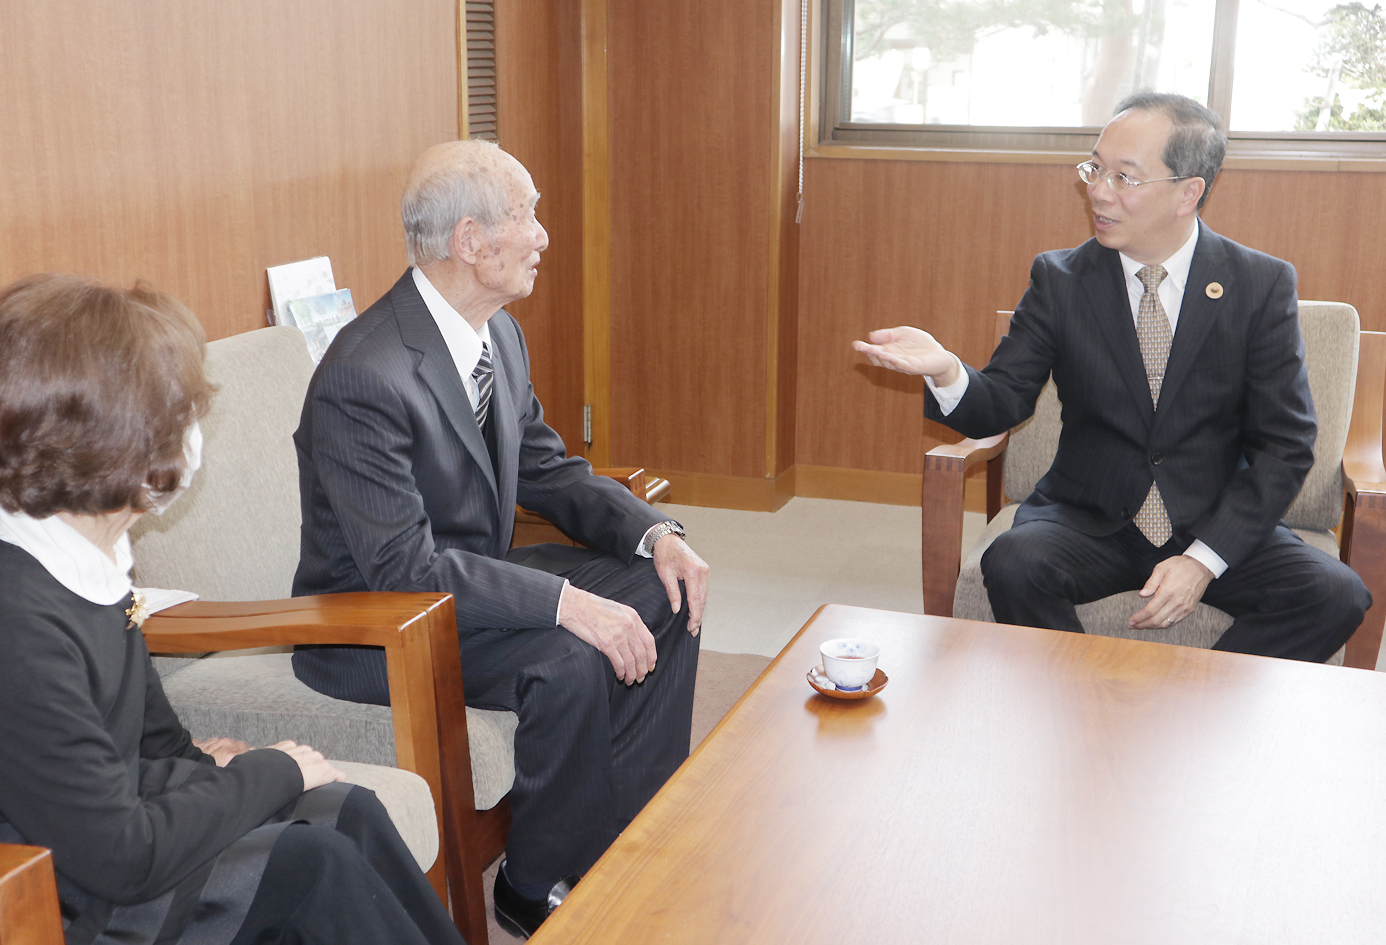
<point x="138" y="609"/>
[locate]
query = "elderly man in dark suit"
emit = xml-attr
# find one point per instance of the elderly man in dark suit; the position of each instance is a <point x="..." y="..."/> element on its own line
<point x="1188" y="427"/>
<point x="420" y="433"/>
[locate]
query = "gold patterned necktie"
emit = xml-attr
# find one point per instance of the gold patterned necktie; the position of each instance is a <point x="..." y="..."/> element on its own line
<point x="1152" y="329"/>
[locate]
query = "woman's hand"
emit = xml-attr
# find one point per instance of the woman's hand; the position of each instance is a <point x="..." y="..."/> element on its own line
<point x="221" y="749"/>
<point x="316" y="769"/>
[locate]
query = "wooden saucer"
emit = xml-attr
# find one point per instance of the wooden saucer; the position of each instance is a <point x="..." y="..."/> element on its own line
<point x="819" y="681"/>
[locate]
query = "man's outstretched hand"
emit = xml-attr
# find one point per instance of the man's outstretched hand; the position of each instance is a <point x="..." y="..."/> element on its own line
<point x="611" y="627"/>
<point x="674" y="561"/>
<point x="910" y="351"/>
<point x="1174" y="589"/>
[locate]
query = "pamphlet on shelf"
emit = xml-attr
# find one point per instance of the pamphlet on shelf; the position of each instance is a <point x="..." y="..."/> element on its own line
<point x="320" y="318"/>
<point x="298" y="280"/>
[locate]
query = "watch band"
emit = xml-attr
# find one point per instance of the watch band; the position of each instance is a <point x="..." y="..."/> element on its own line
<point x="670" y="527"/>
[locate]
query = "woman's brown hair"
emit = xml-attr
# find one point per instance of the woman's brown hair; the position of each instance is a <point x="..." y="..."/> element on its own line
<point x="97" y="388"/>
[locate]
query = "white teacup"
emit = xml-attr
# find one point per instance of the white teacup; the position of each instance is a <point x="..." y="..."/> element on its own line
<point x="850" y="664"/>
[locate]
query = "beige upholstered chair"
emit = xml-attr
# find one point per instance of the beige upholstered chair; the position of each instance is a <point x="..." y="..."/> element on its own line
<point x="1344" y="464"/>
<point x="235" y="537"/>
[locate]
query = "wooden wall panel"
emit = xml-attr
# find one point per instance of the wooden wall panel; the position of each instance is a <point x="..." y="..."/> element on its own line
<point x="539" y="65"/>
<point x="692" y="122"/>
<point x="1328" y="225"/>
<point x="943" y="246"/>
<point x="196" y="144"/>
<point x="937" y="245"/>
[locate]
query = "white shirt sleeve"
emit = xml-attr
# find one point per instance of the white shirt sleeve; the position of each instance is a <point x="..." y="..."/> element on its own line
<point x="560" y="601"/>
<point x="949" y="397"/>
<point x="640" y="548"/>
<point x="1207" y="557"/>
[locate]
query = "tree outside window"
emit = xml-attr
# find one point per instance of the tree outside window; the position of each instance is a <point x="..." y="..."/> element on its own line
<point x="1269" y="66"/>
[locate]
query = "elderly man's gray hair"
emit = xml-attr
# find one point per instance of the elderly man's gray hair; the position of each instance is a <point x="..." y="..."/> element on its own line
<point x="433" y="208"/>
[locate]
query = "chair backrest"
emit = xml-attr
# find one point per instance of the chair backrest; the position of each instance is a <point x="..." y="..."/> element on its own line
<point x="1331" y="337"/>
<point x="235" y="534"/>
<point x="1332" y="334"/>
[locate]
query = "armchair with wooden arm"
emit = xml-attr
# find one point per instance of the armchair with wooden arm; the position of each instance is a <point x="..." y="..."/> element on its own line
<point x="419" y="635"/>
<point x="1346" y="488"/>
<point x="234" y="539"/>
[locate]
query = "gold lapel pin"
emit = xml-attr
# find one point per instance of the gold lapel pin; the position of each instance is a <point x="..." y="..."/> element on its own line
<point x="138" y="611"/>
<point x="1214" y="290"/>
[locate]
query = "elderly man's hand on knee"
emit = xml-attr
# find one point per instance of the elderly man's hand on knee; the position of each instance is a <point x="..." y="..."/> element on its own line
<point x="674" y="561"/>
<point x="611" y="627"/>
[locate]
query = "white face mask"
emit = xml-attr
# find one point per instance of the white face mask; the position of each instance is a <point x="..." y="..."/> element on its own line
<point x="192" y="461"/>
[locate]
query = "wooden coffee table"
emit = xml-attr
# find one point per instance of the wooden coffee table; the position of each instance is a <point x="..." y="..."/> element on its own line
<point x="1009" y="786"/>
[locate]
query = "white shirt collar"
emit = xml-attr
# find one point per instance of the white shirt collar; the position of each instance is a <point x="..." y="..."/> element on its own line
<point x="74" y="561"/>
<point x="1176" y="266"/>
<point x="464" y="342"/>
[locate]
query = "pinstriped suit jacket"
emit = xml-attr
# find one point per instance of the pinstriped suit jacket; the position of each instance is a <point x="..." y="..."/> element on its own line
<point x="397" y="485"/>
<point x="1233" y="436"/>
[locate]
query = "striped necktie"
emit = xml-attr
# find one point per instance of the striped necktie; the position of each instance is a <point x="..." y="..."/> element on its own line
<point x="1152" y="329"/>
<point x="483" y="375"/>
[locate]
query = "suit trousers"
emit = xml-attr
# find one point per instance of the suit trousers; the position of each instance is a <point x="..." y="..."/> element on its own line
<point x="589" y="750"/>
<point x="1286" y="599"/>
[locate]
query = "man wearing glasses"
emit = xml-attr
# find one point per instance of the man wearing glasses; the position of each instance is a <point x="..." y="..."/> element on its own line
<point x="1188" y="426"/>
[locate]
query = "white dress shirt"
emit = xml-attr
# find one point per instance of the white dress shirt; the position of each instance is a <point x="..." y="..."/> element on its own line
<point x="1171" y="292"/>
<point x="463" y="341"/>
<point x="464" y="344"/>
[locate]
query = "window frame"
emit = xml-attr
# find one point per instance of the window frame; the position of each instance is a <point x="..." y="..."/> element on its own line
<point x="831" y="136"/>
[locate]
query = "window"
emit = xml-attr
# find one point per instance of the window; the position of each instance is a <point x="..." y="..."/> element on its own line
<point x="1287" y="75"/>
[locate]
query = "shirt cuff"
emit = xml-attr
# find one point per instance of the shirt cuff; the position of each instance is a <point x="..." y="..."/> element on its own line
<point x="1207" y="557"/>
<point x="949" y="397"/>
<point x="640" y="546"/>
<point x="561" y="591"/>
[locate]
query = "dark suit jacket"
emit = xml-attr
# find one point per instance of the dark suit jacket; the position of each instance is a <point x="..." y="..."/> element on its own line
<point x="1233" y="437"/>
<point x="397" y="484"/>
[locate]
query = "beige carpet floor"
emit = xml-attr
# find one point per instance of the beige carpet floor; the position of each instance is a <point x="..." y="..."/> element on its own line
<point x="722" y="678"/>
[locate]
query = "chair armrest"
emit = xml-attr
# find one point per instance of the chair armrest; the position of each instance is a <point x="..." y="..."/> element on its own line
<point x="650" y="488"/>
<point x="972" y="452"/>
<point x="632" y="477"/>
<point x="945" y="473"/>
<point x="369" y="618"/>
<point x="423" y="660"/>
<point x="1363" y="541"/>
<point x="28" y="897"/>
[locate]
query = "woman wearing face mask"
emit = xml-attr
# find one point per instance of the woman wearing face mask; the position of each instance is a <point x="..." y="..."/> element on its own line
<point x="153" y="839"/>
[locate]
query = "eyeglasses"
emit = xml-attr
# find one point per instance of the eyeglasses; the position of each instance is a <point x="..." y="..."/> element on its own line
<point x="1092" y="173"/>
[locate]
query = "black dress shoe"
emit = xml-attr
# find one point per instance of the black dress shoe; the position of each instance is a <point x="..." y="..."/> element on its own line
<point x="521" y="916"/>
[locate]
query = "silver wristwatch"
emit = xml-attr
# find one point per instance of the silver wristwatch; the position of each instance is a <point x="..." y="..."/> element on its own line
<point x="670" y="527"/>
